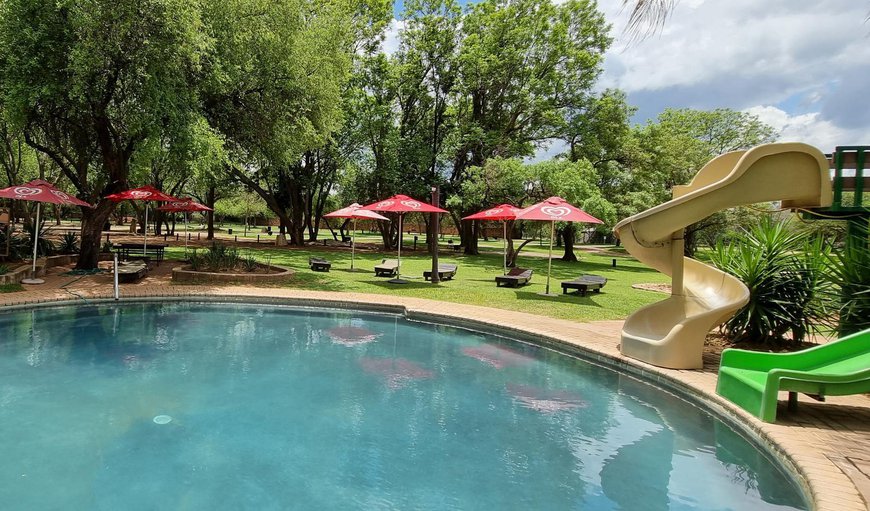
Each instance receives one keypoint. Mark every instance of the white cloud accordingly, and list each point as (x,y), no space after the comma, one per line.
(809,128)
(803,64)
(391,36)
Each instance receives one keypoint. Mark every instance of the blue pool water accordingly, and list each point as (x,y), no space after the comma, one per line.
(207,406)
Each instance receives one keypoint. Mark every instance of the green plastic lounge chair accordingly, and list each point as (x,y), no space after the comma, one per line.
(515,277)
(319,264)
(445,272)
(753,380)
(584,283)
(387,268)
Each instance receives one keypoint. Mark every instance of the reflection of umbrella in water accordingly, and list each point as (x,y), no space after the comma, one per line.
(503,212)
(351,335)
(555,209)
(497,356)
(396,372)
(402,204)
(545,400)
(354,211)
(39,191)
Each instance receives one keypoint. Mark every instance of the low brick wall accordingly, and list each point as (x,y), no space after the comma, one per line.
(184,275)
(16,275)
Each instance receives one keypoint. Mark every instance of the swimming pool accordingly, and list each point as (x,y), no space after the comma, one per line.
(227,406)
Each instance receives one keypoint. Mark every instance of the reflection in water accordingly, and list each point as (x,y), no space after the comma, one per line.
(497,356)
(396,372)
(351,335)
(544,400)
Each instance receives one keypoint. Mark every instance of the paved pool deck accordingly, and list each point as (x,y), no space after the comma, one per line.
(828,443)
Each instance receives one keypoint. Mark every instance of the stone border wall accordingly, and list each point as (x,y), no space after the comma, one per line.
(183,275)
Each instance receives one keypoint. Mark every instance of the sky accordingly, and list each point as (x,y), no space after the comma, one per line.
(801,66)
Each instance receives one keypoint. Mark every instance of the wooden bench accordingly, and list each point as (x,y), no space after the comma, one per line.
(131,272)
(584,283)
(319,264)
(445,272)
(387,268)
(515,278)
(127,251)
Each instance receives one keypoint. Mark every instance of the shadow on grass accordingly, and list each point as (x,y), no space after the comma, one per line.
(536,295)
(317,281)
(409,284)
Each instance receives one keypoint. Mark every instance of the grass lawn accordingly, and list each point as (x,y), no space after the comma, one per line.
(475,281)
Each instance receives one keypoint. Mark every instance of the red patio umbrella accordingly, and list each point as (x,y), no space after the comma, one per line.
(185,205)
(555,209)
(354,211)
(503,212)
(39,191)
(402,204)
(145,193)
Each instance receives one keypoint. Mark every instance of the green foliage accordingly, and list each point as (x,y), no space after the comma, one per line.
(69,244)
(18,247)
(249,263)
(4,269)
(849,272)
(221,258)
(784,271)
(44,246)
(106,247)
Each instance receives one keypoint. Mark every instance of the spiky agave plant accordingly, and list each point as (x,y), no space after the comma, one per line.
(784,271)
(849,272)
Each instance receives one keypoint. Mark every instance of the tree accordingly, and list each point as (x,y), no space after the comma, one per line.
(522,65)
(92,81)
(682,141)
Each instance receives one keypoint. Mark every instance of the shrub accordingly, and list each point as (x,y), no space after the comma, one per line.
(785,273)
(249,263)
(849,272)
(4,269)
(18,248)
(44,247)
(69,244)
(106,247)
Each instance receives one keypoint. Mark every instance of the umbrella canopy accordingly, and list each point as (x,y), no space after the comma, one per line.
(184,206)
(354,211)
(503,212)
(143,193)
(402,204)
(555,209)
(39,191)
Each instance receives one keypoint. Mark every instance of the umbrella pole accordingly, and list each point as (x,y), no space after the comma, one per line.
(352,243)
(33,279)
(145,230)
(504,246)
(186,235)
(550,257)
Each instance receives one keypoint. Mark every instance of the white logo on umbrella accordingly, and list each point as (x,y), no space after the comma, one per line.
(140,194)
(385,204)
(411,204)
(179,204)
(493,212)
(555,211)
(25,191)
(61,195)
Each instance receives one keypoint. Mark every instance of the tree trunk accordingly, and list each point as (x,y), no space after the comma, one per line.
(512,257)
(569,232)
(209,201)
(468,237)
(92,233)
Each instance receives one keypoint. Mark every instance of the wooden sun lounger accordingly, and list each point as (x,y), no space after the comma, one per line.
(584,283)
(319,264)
(387,268)
(516,277)
(131,272)
(445,272)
